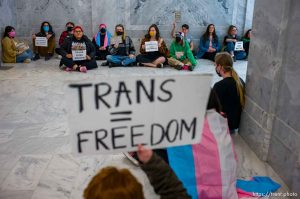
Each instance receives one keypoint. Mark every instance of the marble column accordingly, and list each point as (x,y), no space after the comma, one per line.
(271,122)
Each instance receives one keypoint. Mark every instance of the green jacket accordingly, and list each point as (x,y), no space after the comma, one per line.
(185,48)
(163,179)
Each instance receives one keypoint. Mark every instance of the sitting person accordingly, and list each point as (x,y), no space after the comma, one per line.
(65,34)
(209,44)
(101,42)
(229,43)
(47,51)
(230,90)
(12,50)
(78,42)
(246,40)
(111,182)
(153,58)
(121,49)
(185,29)
(181,56)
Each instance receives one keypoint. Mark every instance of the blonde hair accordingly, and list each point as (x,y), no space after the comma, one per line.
(111,183)
(124,33)
(225,60)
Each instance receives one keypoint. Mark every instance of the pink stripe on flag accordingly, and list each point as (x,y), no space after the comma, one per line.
(207,166)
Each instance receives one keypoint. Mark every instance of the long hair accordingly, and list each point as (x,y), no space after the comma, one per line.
(246,36)
(206,34)
(7,30)
(225,60)
(124,33)
(157,36)
(42,29)
(230,29)
(111,183)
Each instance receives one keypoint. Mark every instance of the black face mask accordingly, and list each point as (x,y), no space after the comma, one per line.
(218,73)
(102,30)
(119,33)
(178,39)
(69,29)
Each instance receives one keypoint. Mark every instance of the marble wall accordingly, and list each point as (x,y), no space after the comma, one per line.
(136,15)
(271,122)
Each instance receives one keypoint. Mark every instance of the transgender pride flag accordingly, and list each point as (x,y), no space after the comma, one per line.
(208,169)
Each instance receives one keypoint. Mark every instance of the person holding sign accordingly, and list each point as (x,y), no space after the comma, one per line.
(44,42)
(153,49)
(78,52)
(230,44)
(182,57)
(185,29)
(209,44)
(101,42)
(111,182)
(230,90)
(14,51)
(121,49)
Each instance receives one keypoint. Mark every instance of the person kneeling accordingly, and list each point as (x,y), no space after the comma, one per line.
(78,52)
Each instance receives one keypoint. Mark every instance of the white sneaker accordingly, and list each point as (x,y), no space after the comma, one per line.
(27,61)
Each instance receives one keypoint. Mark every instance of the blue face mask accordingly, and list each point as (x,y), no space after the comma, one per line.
(46,28)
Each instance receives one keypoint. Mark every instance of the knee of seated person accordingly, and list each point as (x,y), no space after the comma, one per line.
(108,57)
(111,182)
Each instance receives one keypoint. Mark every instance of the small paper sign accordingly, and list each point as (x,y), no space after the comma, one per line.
(41,41)
(239,46)
(151,46)
(179,54)
(116,40)
(79,55)
(177,16)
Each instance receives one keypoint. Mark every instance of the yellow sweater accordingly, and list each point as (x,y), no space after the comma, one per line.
(9,51)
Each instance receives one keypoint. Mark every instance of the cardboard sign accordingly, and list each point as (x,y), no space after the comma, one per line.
(151,46)
(177,16)
(179,54)
(239,46)
(115,114)
(41,41)
(116,40)
(79,55)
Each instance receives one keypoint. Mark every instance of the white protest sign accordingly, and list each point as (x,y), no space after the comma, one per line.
(151,46)
(238,46)
(41,41)
(79,55)
(115,114)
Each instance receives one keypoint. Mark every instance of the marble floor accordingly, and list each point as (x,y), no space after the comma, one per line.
(35,151)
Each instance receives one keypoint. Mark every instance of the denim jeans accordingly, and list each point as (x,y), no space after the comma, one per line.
(239,55)
(28,54)
(120,60)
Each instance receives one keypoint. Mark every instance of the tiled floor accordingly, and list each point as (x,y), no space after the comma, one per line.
(35,150)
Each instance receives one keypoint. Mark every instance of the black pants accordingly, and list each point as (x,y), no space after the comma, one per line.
(101,54)
(90,64)
(210,56)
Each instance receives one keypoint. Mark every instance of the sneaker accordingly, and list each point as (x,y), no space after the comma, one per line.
(82,69)
(36,57)
(27,61)
(185,67)
(104,64)
(132,158)
(68,69)
(178,67)
(160,65)
(111,65)
(48,57)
